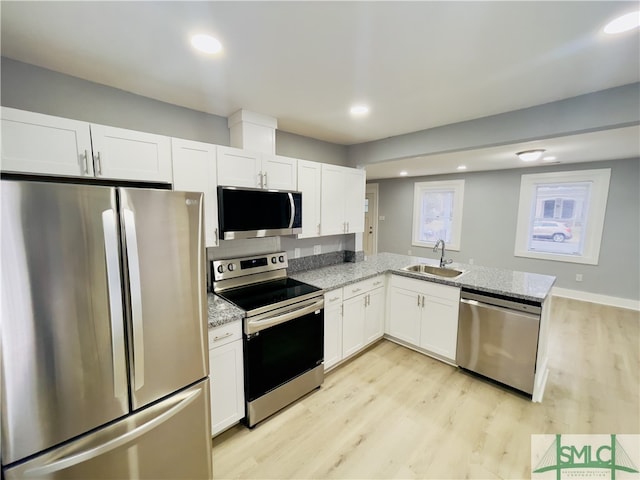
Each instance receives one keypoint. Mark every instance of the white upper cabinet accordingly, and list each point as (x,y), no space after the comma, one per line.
(194,169)
(48,145)
(36,143)
(241,168)
(342,209)
(130,155)
(309,183)
(279,173)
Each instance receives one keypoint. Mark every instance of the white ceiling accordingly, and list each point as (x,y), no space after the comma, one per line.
(418,64)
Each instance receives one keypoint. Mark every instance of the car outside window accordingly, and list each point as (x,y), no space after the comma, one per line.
(561,215)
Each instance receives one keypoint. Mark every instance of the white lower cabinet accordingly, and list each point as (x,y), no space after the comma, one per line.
(332,328)
(227,376)
(425,315)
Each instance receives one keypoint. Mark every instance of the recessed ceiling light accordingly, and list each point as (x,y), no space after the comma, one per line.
(462,167)
(403,173)
(531,155)
(548,158)
(623,24)
(359,110)
(206,43)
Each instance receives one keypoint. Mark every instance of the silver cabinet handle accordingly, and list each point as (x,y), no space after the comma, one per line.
(423,301)
(347,227)
(375,284)
(114,288)
(215,233)
(418,300)
(131,238)
(334,299)
(217,339)
(318,229)
(98,163)
(260,180)
(86,162)
(264,177)
(355,290)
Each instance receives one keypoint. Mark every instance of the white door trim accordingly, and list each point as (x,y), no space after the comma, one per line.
(373,188)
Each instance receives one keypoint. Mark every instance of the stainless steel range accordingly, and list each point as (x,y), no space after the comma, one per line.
(283,330)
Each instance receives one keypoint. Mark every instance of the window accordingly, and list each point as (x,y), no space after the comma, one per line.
(437,213)
(561,215)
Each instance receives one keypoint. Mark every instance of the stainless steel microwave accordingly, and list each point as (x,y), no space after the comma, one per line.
(251,212)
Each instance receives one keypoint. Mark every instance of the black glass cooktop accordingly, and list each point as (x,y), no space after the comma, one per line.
(267,293)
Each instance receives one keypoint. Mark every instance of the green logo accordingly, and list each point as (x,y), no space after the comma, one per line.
(587,455)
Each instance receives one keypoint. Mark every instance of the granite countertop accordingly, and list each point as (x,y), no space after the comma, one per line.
(518,285)
(221,312)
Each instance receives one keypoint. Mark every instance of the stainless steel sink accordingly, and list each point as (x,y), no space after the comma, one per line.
(432,270)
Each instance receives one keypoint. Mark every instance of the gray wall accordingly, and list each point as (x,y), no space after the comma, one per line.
(489,224)
(36,89)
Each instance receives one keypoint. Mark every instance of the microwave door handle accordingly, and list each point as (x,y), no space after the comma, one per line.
(293,209)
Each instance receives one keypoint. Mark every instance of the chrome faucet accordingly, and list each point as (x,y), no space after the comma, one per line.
(443,262)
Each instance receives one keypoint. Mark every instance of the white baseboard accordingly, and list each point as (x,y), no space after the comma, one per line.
(597,298)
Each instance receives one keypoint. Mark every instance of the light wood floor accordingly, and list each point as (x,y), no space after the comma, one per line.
(394,413)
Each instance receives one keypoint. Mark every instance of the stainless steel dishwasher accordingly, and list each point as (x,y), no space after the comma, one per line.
(498,338)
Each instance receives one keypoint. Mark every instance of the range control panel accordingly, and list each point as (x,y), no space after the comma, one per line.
(238,267)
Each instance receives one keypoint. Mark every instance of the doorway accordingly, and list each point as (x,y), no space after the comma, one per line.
(370,237)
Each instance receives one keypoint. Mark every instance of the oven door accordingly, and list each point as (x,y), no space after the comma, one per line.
(282,345)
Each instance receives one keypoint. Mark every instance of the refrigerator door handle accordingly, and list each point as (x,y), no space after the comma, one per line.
(136,297)
(114,288)
(90,451)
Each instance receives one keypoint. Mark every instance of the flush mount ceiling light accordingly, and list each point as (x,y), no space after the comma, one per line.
(623,24)
(530,155)
(206,43)
(359,110)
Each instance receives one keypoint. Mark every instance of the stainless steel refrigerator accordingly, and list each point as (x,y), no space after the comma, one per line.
(103,333)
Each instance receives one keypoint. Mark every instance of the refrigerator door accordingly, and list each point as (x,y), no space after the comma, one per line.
(168,440)
(165,258)
(63,349)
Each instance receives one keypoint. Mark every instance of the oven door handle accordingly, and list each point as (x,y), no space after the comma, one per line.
(310,306)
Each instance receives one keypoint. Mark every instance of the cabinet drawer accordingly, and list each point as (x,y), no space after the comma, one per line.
(224,334)
(333,297)
(363,286)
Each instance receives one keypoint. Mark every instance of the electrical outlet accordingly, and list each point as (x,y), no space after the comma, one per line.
(578,277)
(317,249)
(381,218)
(296,253)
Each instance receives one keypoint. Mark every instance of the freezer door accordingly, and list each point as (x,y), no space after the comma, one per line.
(165,258)
(168,440)
(63,348)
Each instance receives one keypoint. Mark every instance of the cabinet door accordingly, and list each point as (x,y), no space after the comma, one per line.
(194,170)
(333,197)
(439,331)
(42,144)
(374,318)
(354,199)
(129,155)
(332,329)
(353,325)
(403,315)
(227,384)
(239,168)
(309,183)
(279,173)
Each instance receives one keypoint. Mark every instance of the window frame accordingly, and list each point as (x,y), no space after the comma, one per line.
(599,194)
(457,187)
